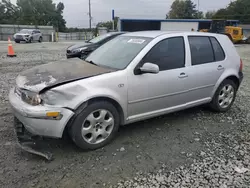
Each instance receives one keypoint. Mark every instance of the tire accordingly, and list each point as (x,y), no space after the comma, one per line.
(218,106)
(31,39)
(86,129)
(17,41)
(40,39)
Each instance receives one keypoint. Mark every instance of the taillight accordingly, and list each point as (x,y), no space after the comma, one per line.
(241,65)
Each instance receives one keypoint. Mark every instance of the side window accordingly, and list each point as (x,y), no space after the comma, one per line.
(167,54)
(201,50)
(235,32)
(218,51)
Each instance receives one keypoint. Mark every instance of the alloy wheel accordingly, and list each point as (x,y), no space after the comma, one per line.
(226,96)
(97,127)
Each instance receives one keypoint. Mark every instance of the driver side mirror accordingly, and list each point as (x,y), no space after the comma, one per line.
(149,68)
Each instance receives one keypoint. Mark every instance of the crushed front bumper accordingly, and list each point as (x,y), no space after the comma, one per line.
(29,142)
(31,124)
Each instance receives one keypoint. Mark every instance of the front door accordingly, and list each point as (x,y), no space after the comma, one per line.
(150,94)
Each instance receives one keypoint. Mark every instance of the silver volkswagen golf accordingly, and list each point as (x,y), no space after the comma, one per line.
(133,77)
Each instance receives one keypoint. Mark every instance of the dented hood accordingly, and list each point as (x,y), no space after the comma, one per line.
(56,73)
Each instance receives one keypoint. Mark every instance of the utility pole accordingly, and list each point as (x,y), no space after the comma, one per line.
(90,17)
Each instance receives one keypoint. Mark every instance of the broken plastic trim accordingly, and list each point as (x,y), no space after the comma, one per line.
(29,142)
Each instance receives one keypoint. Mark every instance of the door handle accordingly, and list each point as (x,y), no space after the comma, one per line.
(183,75)
(220,67)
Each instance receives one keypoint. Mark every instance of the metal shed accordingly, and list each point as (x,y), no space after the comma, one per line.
(130,25)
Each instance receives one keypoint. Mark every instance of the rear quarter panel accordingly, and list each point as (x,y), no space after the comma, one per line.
(232,61)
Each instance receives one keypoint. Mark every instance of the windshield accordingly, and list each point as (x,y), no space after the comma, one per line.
(119,52)
(25,31)
(99,38)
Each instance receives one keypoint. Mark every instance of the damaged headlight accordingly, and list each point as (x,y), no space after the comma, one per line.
(29,97)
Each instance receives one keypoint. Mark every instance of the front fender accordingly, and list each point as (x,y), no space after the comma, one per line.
(73,97)
(102,93)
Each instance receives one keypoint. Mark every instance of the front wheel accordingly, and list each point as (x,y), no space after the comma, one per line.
(40,39)
(95,126)
(224,97)
(30,40)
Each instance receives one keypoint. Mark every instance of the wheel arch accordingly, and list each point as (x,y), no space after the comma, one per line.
(232,77)
(89,101)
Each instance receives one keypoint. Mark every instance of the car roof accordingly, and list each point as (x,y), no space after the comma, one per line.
(155,34)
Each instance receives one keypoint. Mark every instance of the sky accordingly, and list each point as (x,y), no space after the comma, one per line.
(76,11)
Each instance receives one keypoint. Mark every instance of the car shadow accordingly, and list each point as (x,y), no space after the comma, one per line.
(128,135)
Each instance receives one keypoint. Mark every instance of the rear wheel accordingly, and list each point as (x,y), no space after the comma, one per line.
(224,97)
(95,126)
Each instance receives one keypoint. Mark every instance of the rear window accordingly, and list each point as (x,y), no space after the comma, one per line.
(201,50)
(218,51)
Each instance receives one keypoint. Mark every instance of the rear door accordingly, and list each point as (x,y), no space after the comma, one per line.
(207,65)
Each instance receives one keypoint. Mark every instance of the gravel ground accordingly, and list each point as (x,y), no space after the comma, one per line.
(192,148)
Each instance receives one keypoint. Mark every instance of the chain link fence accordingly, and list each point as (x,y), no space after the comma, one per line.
(75,36)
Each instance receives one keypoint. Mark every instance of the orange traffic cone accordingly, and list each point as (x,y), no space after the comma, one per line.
(11,52)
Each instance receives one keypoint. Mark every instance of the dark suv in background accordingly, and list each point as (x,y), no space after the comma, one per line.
(82,50)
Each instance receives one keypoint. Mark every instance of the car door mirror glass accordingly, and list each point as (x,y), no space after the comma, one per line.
(149,68)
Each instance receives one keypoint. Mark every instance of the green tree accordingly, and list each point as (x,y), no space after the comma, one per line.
(238,10)
(183,9)
(210,14)
(8,12)
(199,15)
(32,12)
(108,24)
(61,23)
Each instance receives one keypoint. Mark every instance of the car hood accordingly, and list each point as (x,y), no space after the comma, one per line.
(40,78)
(76,46)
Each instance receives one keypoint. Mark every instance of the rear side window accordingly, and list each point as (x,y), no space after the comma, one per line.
(167,54)
(219,54)
(201,50)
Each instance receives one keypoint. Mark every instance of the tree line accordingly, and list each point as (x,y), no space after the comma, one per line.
(186,9)
(45,12)
(33,12)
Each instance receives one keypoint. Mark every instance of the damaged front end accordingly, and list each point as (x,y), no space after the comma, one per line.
(29,142)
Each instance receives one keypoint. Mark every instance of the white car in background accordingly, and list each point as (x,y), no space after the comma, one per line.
(28,35)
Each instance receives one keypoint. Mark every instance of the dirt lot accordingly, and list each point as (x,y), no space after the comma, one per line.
(191,148)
